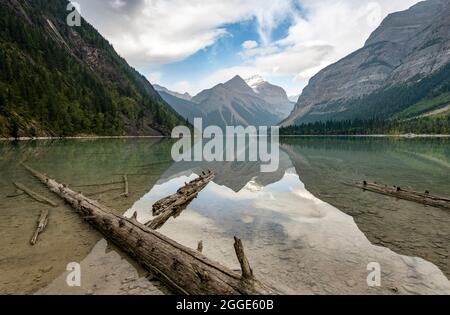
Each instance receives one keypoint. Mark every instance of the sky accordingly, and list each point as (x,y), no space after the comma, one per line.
(191,45)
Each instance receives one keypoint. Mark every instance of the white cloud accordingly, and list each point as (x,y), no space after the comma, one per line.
(164,31)
(181,86)
(226,74)
(249,44)
(154,32)
(327,31)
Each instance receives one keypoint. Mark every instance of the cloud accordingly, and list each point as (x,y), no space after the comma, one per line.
(164,31)
(323,32)
(181,86)
(319,32)
(226,74)
(118,4)
(249,44)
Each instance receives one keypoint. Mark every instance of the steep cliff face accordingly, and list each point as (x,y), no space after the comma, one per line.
(406,47)
(58,80)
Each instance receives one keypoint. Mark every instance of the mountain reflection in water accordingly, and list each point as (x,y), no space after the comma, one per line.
(293,232)
(295,241)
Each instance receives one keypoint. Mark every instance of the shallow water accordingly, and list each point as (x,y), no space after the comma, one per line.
(324,164)
(294,234)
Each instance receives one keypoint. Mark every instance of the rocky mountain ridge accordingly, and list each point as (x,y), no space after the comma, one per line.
(407,47)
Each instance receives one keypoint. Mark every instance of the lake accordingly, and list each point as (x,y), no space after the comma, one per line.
(304,230)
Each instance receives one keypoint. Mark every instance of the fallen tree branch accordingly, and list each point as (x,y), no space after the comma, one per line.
(99,184)
(35,195)
(41,225)
(247,272)
(102,192)
(163,162)
(189,190)
(183,269)
(398,192)
(172,206)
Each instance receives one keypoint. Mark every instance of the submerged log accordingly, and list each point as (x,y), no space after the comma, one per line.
(35,195)
(183,269)
(103,192)
(16,194)
(41,225)
(98,184)
(398,192)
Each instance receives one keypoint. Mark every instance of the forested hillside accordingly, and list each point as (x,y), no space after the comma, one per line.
(57,80)
(418,106)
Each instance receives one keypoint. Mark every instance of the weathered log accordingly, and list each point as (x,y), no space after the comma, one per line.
(35,195)
(183,195)
(247,272)
(172,206)
(173,211)
(41,225)
(98,184)
(183,269)
(398,192)
(103,192)
(200,247)
(163,162)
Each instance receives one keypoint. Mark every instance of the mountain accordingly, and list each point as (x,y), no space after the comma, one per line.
(273,95)
(294,98)
(186,96)
(185,108)
(57,80)
(401,72)
(235,103)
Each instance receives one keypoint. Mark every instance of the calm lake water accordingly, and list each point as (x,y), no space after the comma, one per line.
(303,229)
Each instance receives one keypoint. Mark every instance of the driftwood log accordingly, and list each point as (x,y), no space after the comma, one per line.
(200,247)
(173,205)
(398,192)
(183,269)
(184,194)
(35,195)
(41,225)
